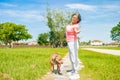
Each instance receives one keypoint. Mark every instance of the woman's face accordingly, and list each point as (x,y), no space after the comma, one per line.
(75,19)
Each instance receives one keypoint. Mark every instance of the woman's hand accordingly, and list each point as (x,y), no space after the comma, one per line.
(77,30)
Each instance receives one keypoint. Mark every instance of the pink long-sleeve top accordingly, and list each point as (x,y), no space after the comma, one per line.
(71,35)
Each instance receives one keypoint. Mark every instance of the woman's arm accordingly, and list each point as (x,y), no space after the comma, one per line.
(76,28)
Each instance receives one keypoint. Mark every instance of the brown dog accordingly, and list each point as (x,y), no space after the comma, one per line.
(55,59)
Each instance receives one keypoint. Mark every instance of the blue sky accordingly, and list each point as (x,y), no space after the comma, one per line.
(98,16)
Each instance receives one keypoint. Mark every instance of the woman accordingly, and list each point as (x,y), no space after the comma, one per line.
(71,36)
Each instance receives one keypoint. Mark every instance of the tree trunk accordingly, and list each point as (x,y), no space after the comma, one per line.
(11,45)
(61,44)
(118,43)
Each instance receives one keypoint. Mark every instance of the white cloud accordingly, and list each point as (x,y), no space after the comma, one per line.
(82,7)
(29,16)
(7,5)
(112,7)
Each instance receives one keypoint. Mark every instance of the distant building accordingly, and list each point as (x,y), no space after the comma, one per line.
(113,43)
(32,43)
(96,43)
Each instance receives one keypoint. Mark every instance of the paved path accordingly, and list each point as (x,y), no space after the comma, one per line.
(65,66)
(113,52)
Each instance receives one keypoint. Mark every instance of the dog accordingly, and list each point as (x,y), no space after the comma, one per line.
(55,60)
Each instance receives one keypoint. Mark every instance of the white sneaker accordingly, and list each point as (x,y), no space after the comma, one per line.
(78,68)
(69,73)
(74,76)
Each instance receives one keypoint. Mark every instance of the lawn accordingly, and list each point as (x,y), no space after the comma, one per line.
(33,63)
(26,63)
(112,48)
(104,47)
(99,66)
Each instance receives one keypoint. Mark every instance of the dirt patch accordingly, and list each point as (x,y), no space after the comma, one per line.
(5,76)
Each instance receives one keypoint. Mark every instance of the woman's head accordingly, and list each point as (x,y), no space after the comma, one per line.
(76,18)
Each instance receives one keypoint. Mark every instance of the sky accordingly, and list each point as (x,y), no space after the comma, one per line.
(98,16)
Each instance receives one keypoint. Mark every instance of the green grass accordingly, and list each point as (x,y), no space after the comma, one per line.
(112,48)
(104,47)
(99,66)
(33,63)
(26,63)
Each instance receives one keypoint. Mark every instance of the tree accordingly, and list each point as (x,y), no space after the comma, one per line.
(43,39)
(10,32)
(57,20)
(53,39)
(115,33)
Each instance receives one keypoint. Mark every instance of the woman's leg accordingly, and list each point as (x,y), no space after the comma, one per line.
(72,54)
(76,54)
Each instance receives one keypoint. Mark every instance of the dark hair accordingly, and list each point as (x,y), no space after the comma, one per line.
(79,16)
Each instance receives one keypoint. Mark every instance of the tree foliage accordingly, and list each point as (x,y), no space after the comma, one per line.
(115,33)
(43,39)
(13,32)
(57,20)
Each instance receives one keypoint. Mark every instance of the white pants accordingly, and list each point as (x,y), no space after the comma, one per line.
(73,54)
